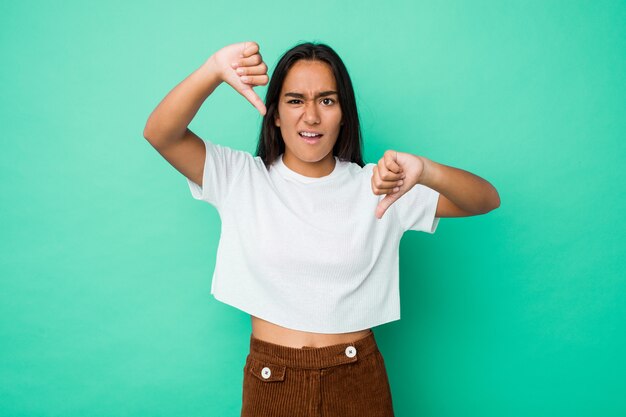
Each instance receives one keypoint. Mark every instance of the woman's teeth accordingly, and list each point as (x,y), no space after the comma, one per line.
(311,139)
(310,135)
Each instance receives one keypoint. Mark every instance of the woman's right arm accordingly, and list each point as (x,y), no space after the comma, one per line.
(166,129)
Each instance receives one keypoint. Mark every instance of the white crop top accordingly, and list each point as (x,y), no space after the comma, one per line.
(308,253)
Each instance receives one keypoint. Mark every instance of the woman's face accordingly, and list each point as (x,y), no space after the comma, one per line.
(309,104)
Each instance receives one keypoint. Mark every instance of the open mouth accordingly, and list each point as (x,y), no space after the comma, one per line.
(310,137)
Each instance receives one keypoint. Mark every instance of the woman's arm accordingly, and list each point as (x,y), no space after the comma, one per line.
(166,128)
(461,193)
(170,118)
(459,189)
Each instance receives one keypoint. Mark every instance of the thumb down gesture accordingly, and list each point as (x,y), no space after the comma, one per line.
(394,175)
(241,66)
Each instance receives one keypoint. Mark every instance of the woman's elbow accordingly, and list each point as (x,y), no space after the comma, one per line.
(494,201)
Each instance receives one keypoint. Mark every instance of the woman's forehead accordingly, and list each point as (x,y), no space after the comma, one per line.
(309,77)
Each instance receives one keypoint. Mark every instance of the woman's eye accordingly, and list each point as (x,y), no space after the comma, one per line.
(326,101)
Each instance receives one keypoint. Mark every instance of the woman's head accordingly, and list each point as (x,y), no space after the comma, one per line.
(310,90)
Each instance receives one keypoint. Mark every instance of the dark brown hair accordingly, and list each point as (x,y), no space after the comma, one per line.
(349,142)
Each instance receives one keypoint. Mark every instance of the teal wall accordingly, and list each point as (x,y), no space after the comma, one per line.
(106,260)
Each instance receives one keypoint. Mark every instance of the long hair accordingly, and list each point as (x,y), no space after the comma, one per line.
(349,142)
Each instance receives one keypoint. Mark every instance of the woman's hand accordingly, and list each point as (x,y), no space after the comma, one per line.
(241,66)
(394,175)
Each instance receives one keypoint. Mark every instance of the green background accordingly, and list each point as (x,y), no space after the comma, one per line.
(106,260)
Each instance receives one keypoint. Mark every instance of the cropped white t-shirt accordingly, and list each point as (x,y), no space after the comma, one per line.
(308,253)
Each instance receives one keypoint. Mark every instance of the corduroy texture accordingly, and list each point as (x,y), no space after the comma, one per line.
(344,380)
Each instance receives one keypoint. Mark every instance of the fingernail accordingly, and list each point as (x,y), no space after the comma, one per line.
(400,182)
(395,189)
(239,70)
(234,65)
(244,79)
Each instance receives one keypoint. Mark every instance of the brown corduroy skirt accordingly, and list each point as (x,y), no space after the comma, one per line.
(344,380)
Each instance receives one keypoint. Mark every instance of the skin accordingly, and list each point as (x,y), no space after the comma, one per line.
(302,108)
(462,193)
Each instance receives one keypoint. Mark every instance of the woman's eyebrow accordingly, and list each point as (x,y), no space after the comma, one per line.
(322,94)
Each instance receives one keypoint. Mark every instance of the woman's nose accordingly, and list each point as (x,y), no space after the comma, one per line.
(311,115)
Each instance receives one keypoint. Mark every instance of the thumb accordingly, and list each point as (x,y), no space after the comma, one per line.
(254,99)
(385,203)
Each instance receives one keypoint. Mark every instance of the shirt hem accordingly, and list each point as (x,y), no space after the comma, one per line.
(291,326)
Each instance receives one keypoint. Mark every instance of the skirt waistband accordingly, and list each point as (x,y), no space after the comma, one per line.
(313,357)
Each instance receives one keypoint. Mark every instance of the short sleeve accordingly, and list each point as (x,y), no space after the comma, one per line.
(416,209)
(222,167)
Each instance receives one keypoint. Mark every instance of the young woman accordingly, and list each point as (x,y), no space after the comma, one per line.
(310,233)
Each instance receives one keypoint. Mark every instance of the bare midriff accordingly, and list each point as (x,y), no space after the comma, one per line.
(273,333)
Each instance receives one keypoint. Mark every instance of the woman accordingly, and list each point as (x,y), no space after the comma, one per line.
(306,248)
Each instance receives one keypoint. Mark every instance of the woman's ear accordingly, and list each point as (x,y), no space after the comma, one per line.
(277,120)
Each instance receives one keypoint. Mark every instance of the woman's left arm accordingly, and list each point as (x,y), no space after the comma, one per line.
(461,192)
